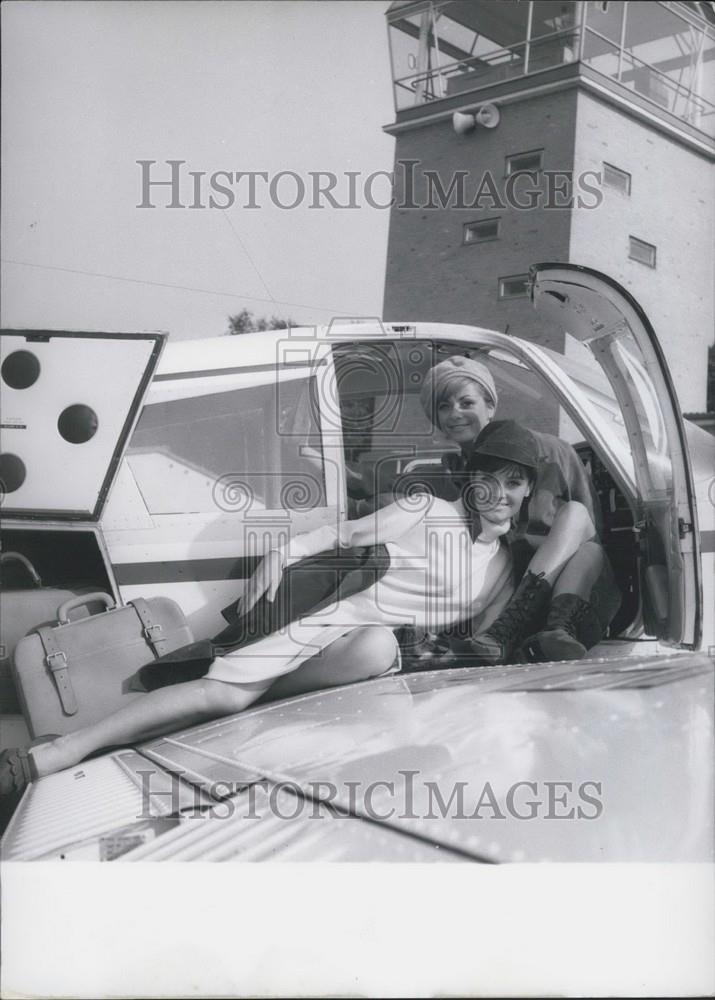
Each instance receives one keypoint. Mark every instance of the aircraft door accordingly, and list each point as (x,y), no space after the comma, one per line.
(596,313)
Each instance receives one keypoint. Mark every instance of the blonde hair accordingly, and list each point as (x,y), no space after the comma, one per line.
(443,375)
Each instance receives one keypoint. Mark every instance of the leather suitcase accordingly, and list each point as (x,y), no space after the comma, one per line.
(78,672)
(22,609)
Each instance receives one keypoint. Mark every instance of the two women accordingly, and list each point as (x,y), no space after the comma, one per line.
(566,595)
(447,564)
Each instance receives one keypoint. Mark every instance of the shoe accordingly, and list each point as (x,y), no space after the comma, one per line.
(572,628)
(17,770)
(521,614)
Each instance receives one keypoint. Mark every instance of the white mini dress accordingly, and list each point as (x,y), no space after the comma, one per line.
(437,576)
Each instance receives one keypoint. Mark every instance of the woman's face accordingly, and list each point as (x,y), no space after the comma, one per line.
(463,412)
(498,496)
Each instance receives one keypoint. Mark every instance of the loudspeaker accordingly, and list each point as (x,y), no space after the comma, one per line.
(488,116)
(462,123)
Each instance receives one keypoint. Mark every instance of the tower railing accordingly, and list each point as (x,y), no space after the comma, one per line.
(681,80)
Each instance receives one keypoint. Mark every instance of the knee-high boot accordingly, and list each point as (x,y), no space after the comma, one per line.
(522,614)
(573,626)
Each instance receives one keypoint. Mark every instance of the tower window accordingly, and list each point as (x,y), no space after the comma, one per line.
(641,251)
(513,287)
(532,161)
(616,178)
(480,232)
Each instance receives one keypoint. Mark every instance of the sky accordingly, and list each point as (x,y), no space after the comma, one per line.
(89,89)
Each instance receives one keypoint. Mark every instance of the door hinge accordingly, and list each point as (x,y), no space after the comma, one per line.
(684,527)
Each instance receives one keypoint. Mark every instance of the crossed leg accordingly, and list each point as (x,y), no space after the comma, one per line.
(571,529)
(363,653)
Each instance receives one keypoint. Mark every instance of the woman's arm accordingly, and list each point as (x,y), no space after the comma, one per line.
(385,525)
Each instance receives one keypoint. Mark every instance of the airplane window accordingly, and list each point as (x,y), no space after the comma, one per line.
(580,365)
(651,446)
(385,430)
(256,447)
(384,426)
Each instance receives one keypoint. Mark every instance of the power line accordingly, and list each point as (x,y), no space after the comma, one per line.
(186,288)
(245,250)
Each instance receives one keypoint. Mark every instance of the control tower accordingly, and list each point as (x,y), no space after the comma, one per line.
(580,132)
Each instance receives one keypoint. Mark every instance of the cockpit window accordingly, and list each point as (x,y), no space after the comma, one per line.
(579,364)
(253,447)
(386,432)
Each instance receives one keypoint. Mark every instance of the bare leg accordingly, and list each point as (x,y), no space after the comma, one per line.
(363,653)
(581,572)
(155,713)
(572,527)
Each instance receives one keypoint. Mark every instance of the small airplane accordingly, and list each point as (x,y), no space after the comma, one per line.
(143,469)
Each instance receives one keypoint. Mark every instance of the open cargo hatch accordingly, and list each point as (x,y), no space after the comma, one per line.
(69,404)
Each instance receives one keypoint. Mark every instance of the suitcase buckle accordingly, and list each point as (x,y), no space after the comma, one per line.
(59,655)
(149,632)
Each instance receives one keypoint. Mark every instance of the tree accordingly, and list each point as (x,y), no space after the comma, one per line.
(246,322)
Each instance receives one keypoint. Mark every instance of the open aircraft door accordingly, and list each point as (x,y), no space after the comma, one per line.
(599,316)
(69,403)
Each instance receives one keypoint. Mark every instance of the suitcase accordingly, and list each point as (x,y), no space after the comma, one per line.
(78,672)
(23,609)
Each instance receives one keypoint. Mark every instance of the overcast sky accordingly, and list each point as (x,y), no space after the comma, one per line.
(90,88)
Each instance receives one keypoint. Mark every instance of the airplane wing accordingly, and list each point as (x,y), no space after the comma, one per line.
(604,760)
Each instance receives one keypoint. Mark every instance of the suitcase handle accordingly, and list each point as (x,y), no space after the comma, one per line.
(77,602)
(7,556)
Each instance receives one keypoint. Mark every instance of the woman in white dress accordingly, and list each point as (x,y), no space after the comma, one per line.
(447,564)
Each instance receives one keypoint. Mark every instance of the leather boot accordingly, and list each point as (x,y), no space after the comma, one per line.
(518,618)
(572,628)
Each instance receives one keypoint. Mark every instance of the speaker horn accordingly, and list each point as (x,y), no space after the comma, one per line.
(462,123)
(488,116)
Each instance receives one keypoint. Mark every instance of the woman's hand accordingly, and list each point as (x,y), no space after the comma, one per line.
(265,580)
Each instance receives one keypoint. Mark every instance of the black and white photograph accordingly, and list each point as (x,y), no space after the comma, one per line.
(357,498)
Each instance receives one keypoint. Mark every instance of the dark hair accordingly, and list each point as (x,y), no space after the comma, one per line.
(478,496)
(493,464)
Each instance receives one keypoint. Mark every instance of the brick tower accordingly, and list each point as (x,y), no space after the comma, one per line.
(585,133)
